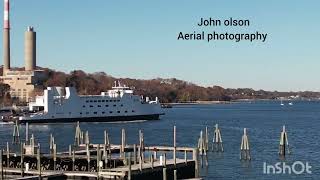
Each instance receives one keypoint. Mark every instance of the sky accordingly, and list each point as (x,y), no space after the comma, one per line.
(138,39)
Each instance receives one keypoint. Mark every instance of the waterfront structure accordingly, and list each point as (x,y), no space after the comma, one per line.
(244,147)
(65,105)
(22,82)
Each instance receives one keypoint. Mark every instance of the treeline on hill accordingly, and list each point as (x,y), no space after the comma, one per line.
(167,90)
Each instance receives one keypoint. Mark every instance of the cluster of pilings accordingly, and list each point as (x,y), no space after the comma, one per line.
(245,155)
(105,161)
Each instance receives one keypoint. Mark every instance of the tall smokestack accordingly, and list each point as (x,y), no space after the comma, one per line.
(30,49)
(6,36)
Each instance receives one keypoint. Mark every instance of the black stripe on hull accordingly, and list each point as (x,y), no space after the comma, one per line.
(94,119)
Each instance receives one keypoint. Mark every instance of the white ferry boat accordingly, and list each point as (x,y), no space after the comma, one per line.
(60,105)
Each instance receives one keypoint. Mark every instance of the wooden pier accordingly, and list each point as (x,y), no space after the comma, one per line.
(100,161)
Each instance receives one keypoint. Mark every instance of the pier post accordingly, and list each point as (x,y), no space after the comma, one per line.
(81,137)
(152,162)
(174,146)
(51,143)
(32,142)
(155,154)
(73,158)
(134,154)
(164,159)
(217,140)
(185,156)
(8,155)
(206,139)
(129,171)
(123,142)
(164,173)
(88,156)
(87,140)
(77,136)
(70,150)
(16,133)
(175,174)
(27,133)
(141,142)
(54,153)
(140,163)
(21,159)
(195,158)
(98,159)
(1,164)
(39,161)
(284,144)
(244,148)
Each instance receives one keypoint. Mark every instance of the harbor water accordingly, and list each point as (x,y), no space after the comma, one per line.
(263,120)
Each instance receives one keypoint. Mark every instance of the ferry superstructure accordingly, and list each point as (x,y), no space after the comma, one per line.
(60,105)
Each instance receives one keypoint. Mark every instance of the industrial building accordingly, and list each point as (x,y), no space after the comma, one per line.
(22,82)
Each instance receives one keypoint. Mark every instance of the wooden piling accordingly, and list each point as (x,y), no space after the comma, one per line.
(98,160)
(1,163)
(164,173)
(217,140)
(73,158)
(88,156)
(123,142)
(185,156)
(27,133)
(39,161)
(140,163)
(129,171)
(206,139)
(284,144)
(134,154)
(8,155)
(21,159)
(16,133)
(175,174)
(54,153)
(164,160)
(87,140)
(174,146)
(244,148)
(70,150)
(152,162)
(195,158)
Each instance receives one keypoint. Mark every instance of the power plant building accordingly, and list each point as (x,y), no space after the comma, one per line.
(22,82)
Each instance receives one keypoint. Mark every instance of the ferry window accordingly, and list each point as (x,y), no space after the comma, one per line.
(103,101)
(87,101)
(118,111)
(121,105)
(91,106)
(94,112)
(95,101)
(90,100)
(114,105)
(99,106)
(99,100)
(118,100)
(107,105)
(110,112)
(84,106)
(81,113)
(126,111)
(107,100)
(103,112)
(133,111)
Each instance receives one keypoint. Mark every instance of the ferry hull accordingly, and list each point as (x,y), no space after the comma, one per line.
(92,119)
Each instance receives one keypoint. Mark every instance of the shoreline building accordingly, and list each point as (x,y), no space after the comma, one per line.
(22,82)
